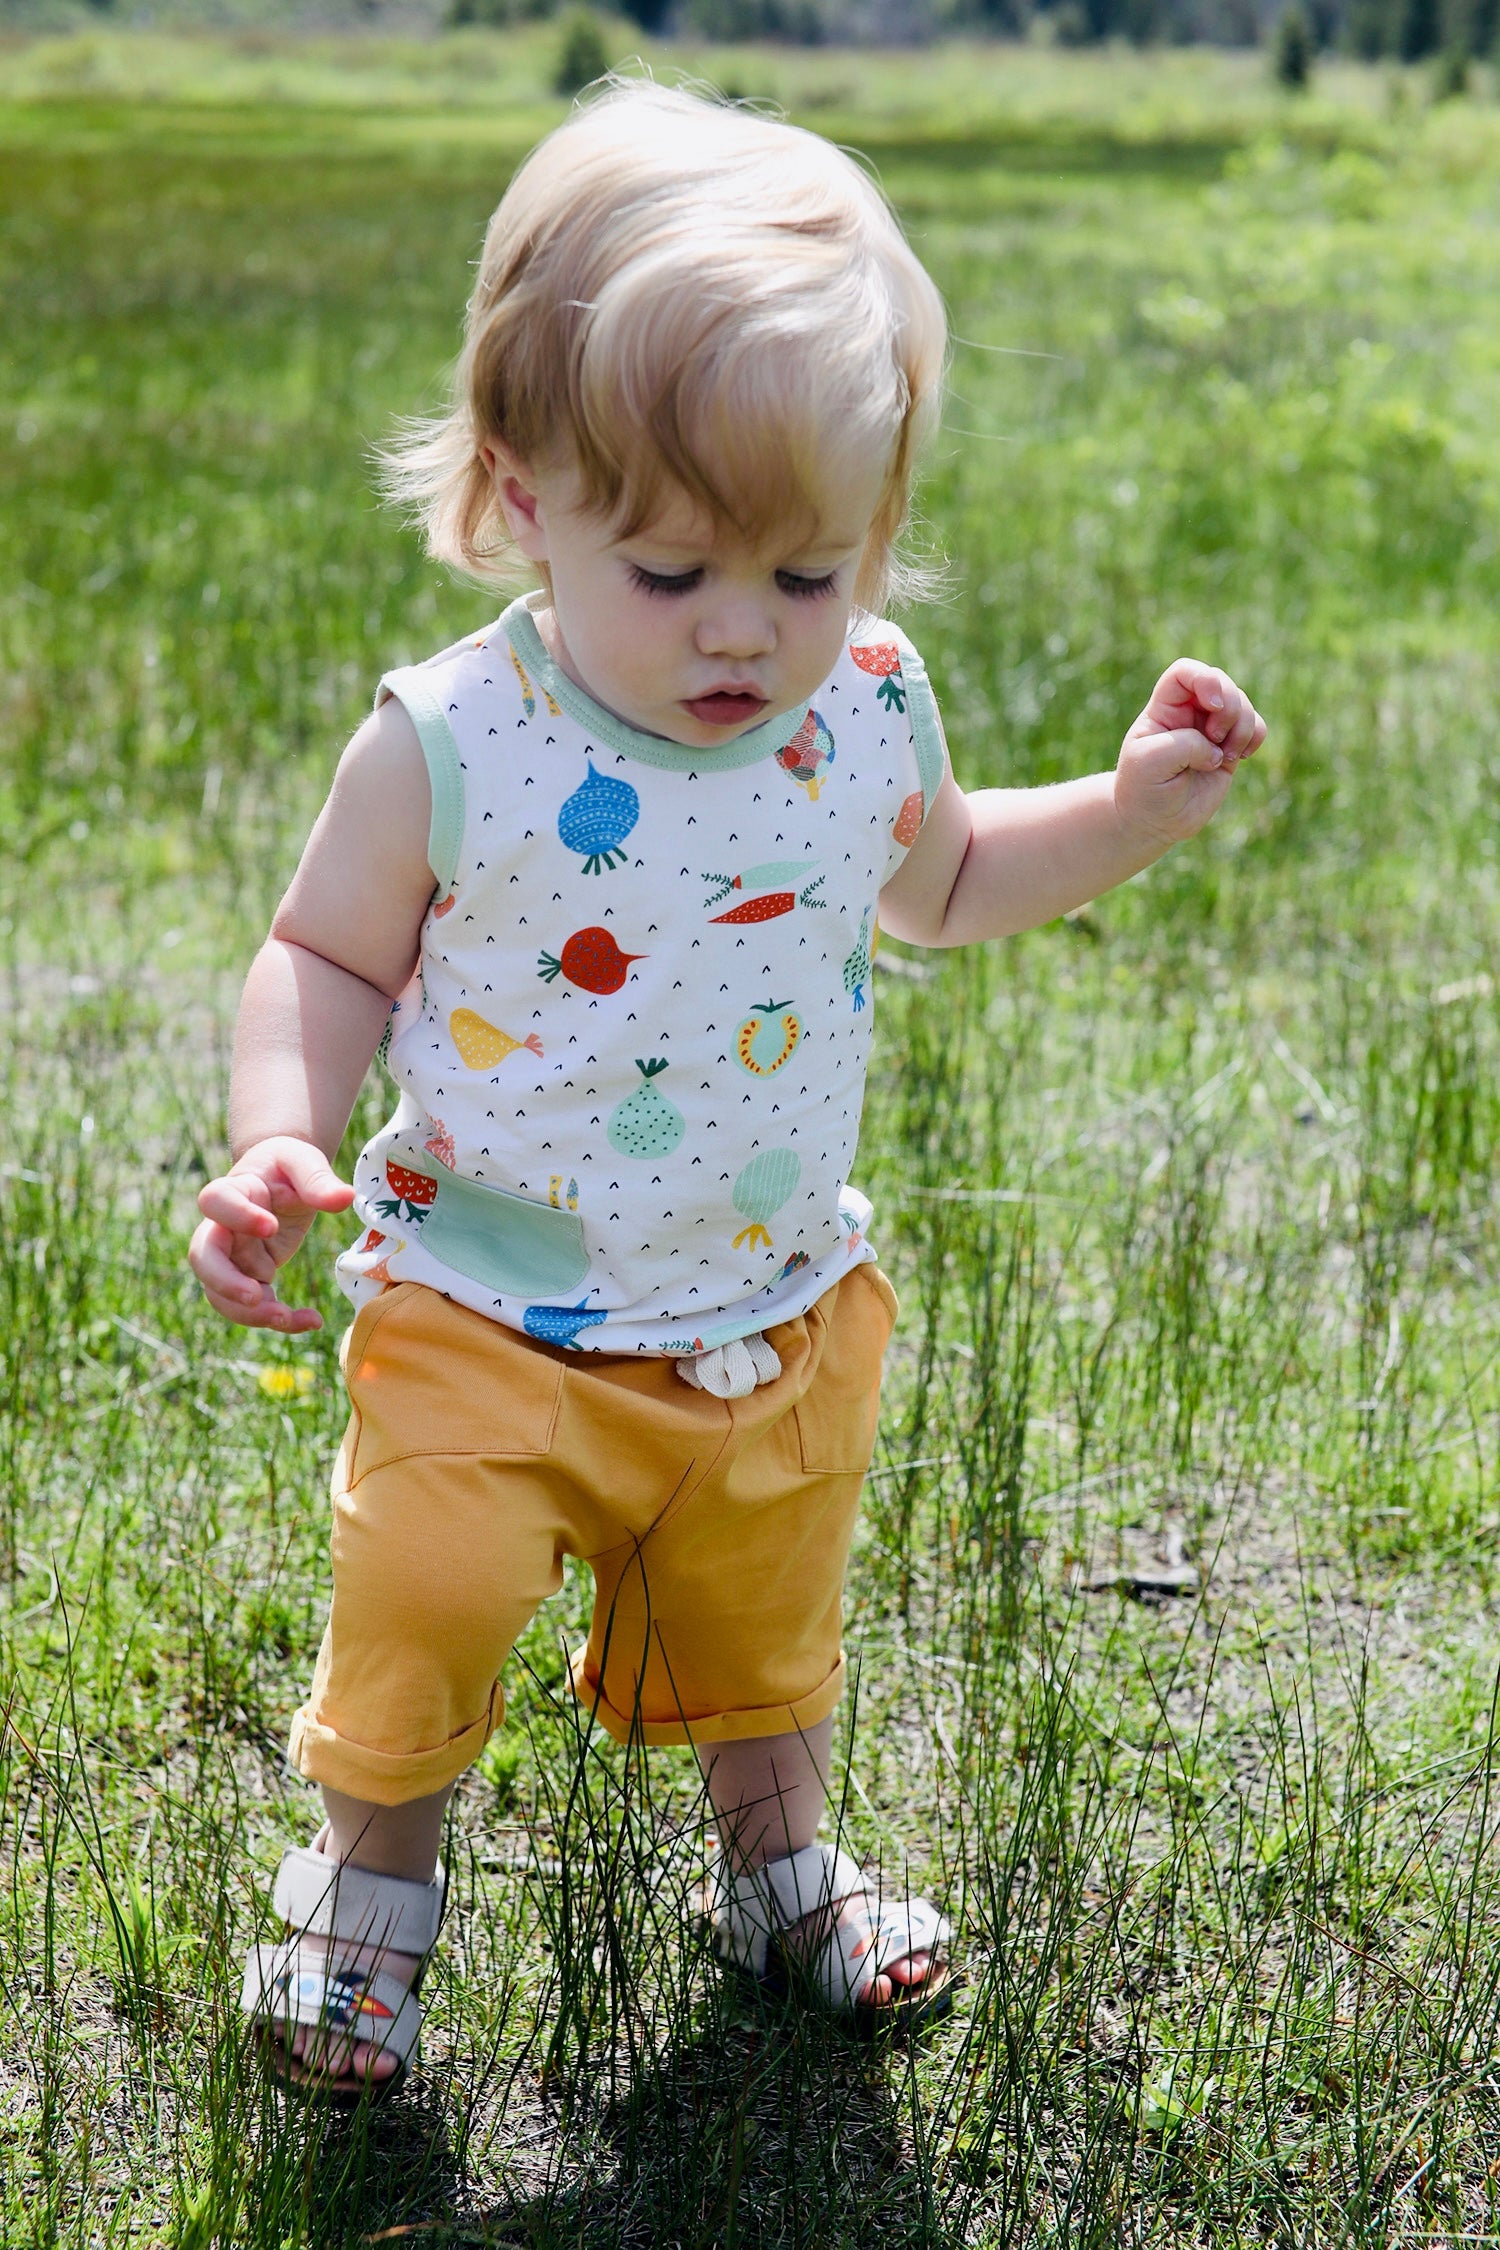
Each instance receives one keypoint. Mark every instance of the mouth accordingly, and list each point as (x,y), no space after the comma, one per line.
(726,707)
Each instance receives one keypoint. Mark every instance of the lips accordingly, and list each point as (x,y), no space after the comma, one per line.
(726,707)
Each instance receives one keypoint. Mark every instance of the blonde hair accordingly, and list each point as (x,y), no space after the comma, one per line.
(676,291)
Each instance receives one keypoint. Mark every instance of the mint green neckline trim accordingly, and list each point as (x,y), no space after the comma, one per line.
(519,628)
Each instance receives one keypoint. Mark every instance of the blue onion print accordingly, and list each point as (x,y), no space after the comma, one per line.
(596,820)
(559,1324)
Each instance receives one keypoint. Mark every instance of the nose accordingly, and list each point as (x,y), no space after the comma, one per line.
(736,625)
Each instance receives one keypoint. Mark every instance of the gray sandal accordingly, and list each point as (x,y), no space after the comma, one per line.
(287,1988)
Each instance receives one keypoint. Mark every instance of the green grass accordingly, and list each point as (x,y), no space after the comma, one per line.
(1188,1199)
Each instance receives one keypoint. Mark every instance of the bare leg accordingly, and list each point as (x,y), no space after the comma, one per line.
(389,1840)
(768,1796)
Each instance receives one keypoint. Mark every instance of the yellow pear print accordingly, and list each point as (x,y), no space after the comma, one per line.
(481,1045)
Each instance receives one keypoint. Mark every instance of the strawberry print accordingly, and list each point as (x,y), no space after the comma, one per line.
(882,660)
(444,906)
(441,1144)
(412,1193)
(591,959)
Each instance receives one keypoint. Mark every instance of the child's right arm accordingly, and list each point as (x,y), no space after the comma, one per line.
(342,947)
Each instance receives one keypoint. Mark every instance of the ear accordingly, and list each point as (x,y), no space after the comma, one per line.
(520,500)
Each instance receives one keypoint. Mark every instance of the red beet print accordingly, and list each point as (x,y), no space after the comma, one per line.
(591,960)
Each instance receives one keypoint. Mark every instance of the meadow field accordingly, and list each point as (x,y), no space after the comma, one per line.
(1175,1604)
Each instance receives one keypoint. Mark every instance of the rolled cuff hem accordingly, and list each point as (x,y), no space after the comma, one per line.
(723,1726)
(384,1777)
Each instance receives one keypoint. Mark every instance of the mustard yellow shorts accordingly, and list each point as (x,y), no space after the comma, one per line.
(477,1458)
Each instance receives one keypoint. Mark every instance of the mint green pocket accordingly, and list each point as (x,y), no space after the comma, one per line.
(514,1246)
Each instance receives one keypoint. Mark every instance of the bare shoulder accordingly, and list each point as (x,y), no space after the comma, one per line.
(384,760)
(364,884)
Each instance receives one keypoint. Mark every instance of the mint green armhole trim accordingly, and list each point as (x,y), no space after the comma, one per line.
(414,691)
(926,727)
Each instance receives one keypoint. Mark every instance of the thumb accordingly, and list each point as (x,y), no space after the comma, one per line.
(313,1180)
(1180,749)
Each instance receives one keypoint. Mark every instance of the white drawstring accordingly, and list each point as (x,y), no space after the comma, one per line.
(732,1370)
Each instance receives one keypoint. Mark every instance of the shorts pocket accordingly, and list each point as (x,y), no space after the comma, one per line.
(427,1376)
(837,1414)
(506,1242)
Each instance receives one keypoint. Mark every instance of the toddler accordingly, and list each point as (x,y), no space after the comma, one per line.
(603,884)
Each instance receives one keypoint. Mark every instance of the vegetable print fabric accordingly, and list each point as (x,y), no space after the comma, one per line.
(632,1062)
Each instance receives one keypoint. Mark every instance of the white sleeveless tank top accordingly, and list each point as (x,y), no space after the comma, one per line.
(632,1060)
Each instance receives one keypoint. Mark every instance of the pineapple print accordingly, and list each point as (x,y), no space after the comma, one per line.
(646,1123)
(857,967)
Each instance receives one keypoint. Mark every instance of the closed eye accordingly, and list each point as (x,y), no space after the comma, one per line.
(791,583)
(663,582)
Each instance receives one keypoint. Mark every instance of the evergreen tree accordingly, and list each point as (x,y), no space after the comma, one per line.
(1419,29)
(1292,50)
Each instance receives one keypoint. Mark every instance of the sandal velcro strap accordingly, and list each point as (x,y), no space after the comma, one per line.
(868,1937)
(284,1988)
(329,1898)
(863,1933)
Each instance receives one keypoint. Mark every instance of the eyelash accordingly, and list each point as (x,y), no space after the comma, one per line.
(800,589)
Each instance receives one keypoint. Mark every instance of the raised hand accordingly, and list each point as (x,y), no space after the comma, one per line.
(254,1218)
(1179,758)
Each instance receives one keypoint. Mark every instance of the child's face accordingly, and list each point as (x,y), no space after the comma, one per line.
(684,630)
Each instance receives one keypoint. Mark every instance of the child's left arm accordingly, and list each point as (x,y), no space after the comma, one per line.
(1001,860)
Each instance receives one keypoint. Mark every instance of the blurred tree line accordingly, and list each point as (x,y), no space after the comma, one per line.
(1404,30)
(1296,31)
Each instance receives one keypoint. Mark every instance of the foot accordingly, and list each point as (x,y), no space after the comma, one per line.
(336,1997)
(865,1953)
(330,2056)
(900,1980)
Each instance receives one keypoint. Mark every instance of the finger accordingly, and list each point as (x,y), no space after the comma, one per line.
(312,1178)
(240,1201)
(211,1255)
(230,1259)
(1187,683)
(266,1312)
(238,1296)
(1242,738)
(1175,750)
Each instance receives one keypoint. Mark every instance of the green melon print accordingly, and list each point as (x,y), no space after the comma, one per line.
(767,1182)
(646,1123)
